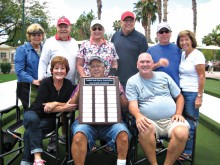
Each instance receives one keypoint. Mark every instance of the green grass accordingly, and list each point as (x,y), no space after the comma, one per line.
(212,87)
(7,77)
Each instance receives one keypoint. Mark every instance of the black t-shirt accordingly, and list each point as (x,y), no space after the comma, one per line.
(48,93)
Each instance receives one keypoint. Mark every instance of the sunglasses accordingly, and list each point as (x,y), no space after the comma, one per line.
(36,34)
(163,31)
(95,28)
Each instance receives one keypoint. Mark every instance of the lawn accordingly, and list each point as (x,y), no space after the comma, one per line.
(212,87)
(7,77)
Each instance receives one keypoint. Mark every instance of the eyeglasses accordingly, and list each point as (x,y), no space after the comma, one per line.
(128,20)
(95,28)
(163,31)
(36,34)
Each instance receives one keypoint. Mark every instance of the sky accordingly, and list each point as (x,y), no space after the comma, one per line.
(180,15)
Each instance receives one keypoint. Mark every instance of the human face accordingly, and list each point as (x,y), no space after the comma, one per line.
(96,69)
(97,32)
(164,36)
(185,43)
(63,31)
(145,65)
(59,71)
(127,25)
(36,38)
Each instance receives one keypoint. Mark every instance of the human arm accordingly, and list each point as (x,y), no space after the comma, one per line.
(179,108)
(114,64)
(142,122)
(163,62)
(52,107)
(200,69)
(79,66)
(44,61)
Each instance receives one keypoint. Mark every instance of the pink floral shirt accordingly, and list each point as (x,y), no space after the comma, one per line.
(106,51)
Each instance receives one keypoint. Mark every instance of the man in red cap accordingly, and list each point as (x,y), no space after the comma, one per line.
(129,43)
(59,45)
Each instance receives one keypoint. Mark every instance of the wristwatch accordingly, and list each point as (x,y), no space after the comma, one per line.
(199,95)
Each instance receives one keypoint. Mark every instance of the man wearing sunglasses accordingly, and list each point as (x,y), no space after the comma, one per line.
(129,43)
(166,55)
(96,46)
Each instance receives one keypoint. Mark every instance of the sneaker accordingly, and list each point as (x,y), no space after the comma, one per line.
(51,147)
(62,139)
(159,145)
(39,162)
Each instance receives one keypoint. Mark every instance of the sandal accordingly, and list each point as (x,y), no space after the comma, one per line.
(185,156)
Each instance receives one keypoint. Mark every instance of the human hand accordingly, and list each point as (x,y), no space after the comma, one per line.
(163,62)
(48,107)
(198,102)
(142,123)
(177,117)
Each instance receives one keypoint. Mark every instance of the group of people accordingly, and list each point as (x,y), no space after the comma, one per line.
(157,85)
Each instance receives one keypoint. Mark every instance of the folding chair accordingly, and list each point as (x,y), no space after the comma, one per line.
(134,143)
(98,147)
(11,132)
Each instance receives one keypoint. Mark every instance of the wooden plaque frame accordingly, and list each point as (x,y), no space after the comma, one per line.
(99,101)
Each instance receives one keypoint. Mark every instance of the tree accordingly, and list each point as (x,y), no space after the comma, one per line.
(11,19)
(194,8)
(99,7)
(116,25)
(81,29)
(165,4)
(146,14)
(212,38)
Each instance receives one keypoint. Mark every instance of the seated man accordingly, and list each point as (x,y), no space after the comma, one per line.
(151,101)
(84,133)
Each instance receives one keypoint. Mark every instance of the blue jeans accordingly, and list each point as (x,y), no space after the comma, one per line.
(190,109)
(107,133)
(35,129)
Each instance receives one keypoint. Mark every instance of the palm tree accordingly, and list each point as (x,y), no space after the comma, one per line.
(194,8)
(99,7)
(159,10)
(116,25)
(165,4)
(146,14)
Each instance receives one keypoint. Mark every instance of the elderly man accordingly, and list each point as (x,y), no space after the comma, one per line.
(85,135)
(151,101)
(60,44)
(129,43)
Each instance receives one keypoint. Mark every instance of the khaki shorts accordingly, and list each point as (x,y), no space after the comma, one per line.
(164,127)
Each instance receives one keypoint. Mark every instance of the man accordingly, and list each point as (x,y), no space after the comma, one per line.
(151,101)
(60,44)
(166,55)
(129,43)
(85,135)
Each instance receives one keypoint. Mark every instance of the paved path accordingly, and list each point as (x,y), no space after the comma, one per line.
(210,106)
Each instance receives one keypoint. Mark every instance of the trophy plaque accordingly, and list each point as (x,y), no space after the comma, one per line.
(99,101)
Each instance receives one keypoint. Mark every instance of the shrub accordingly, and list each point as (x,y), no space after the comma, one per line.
(5,67)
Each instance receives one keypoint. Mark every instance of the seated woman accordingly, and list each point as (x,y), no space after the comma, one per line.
(53,95)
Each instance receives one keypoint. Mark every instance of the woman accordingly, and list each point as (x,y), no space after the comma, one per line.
(192,79)
(96,46)
(26,63)
(53,95)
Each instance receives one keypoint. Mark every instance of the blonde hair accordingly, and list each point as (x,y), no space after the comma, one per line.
(34,28)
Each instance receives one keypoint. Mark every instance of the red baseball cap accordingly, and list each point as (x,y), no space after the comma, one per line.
(63,20)
(127,14)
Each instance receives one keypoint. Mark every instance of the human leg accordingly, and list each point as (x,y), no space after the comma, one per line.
(148,144)
(178,138)
(82,133)
(190,109)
